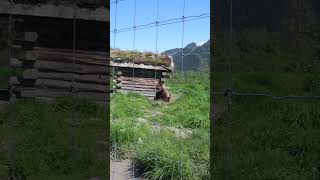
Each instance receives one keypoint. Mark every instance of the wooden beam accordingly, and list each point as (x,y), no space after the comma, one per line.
(136,66)
(152,87)
(138,79)
(65,57)
(35,74)
(138,89)
(99,53)
(56,11)
(68,67)
(138,83)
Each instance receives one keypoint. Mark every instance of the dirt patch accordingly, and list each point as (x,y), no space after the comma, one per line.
(123,170)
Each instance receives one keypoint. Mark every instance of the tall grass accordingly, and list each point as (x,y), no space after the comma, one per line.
(162,155)
(44,140)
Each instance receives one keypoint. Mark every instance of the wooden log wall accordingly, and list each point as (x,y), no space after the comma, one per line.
(143,82)
(47,67)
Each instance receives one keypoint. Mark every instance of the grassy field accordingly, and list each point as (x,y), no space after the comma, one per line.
(44,140)
(166,140)
(263,138)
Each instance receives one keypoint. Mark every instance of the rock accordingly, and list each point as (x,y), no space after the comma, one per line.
(183,133)
(141,120)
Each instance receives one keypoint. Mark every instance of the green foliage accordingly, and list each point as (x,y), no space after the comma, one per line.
(264,138)
(44,136)
(157,151)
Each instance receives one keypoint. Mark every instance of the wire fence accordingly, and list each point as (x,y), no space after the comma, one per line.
(117,31)
(78,152)
(229,94)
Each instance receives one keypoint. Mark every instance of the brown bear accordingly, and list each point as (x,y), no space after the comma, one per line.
(162,92)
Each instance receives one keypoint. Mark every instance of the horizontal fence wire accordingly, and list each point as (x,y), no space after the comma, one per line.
(162,23)
(268,95)
(155,24)
(116,1)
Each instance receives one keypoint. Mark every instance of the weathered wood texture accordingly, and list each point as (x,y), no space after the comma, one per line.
(57,11)
(144,86)
(52,73)
(59,33)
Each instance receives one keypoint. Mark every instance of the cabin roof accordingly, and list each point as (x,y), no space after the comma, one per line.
(62,10)
(144,60)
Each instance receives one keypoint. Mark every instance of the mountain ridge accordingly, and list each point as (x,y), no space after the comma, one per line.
(196,56)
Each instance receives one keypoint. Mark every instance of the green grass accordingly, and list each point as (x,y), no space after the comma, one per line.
(44,137)
(268,139)
(162,155)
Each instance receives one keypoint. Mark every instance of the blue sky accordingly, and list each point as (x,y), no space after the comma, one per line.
(169,36)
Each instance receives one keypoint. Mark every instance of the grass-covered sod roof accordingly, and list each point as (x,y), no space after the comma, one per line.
(147,58)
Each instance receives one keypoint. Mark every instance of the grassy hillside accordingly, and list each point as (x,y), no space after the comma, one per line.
(161,137)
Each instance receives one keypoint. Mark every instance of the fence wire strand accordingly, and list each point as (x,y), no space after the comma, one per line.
(12,119)
(156,24)
(73,134)
(229,94)
(162,23)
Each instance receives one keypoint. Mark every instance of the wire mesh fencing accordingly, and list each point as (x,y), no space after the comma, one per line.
(264,98)
(55,127)
(184,61)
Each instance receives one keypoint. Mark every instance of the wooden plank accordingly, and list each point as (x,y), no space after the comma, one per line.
(68,67)
(100,53)
(137,89)
(56,11)
(138,83)
(137,79)
(140,92)
(64,57)
(137,66)
(153,87)
(35,74)
(49,83)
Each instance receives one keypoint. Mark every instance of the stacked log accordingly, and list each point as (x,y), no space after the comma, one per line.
(51,73)
(139,78)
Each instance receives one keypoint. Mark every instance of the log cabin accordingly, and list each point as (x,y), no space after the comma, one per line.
(60,49)
(140,72)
